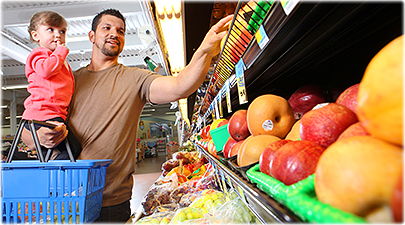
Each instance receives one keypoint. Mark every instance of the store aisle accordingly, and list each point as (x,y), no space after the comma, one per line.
(147,172)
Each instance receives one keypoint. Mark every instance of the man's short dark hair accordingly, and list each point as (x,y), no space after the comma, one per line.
(112,12)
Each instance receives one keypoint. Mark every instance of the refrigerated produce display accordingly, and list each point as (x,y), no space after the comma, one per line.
(279,61)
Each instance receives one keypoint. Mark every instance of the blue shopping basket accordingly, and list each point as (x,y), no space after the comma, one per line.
(57,191)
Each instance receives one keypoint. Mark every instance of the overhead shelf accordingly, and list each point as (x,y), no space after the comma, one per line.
(324,43)
(329,44)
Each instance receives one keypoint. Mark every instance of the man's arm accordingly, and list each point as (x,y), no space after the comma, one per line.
(168,88)
(48,138)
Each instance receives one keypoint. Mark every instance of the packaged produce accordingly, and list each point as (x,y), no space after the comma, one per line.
(157,218)
(187,214)
(157,195)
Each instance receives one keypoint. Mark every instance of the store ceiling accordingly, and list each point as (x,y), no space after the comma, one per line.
(16,44)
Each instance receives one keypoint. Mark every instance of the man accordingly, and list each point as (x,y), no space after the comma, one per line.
(109,98)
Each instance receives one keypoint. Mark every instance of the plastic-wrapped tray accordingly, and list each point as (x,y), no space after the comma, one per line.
(301,199)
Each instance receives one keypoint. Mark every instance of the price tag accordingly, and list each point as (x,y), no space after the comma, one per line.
(215,104)
(212,110)
(240,82)
(288,5)
(220,103)
(261,37)
(228,95)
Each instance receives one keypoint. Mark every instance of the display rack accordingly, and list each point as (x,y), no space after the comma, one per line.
(329,44)
(265,208)
(325,43)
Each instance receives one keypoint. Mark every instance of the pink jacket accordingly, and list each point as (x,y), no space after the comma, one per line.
(51,84)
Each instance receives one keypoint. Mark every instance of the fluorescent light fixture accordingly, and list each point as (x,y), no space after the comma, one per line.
(148,110)
(171,23)
(7,117)
(142,115)
(4,106)
(10,87)
(170,113)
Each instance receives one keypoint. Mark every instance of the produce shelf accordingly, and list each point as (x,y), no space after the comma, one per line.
(329,44)
(263,206)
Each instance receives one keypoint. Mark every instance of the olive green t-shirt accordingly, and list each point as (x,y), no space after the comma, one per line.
(104,115)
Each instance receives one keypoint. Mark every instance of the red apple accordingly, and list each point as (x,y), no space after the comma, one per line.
(228,145)
(397,201)
(237,126)
(348,97)
(223,122)
(267,155)
(356,129)
(235,149)
(305,98)
(324,125)
(295,161)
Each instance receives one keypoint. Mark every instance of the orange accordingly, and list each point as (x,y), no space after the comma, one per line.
(380,96)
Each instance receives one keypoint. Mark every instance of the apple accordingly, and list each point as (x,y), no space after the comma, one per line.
(235,149)
(295,161)
(356,129)
(333,93)
(358,174)
(223,122)
(228,145)
(305,98)
(237,125)
(267,155)
(348,97)
(324,125)
(397,201)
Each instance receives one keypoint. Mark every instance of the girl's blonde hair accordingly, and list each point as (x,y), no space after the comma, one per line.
(45,18)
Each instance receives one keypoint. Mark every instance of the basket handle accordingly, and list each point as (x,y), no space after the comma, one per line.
(36,141)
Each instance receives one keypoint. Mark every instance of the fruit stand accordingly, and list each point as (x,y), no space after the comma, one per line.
(312,45)
(290,49)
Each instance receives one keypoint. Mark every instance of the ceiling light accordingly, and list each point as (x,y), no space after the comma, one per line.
(142,115)
(170,113)
(7,117)
(10,87)
(169,15)
(148,110)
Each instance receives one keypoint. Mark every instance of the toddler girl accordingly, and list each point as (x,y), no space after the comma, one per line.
(51,81)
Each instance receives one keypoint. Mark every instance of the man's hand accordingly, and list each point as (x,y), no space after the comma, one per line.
(48,138)
(212,40)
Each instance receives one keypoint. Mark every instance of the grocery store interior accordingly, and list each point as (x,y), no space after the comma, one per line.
(295,53)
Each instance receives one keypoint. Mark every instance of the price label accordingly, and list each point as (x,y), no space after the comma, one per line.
(240,82)
(261,37)
(228,95)
(215,103)
(220,103)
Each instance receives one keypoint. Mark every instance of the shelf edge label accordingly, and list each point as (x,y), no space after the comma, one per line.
(240,81)
(261,37)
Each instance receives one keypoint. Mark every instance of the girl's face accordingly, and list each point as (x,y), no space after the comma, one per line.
(49,36)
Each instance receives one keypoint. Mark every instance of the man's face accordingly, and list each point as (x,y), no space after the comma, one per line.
(109,37)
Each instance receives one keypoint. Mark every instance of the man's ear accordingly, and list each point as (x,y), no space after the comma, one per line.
(91,36)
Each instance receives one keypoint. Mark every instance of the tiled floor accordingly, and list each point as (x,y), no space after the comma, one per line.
(147,172)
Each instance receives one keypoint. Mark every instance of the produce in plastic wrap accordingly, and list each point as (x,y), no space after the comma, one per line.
(157,218)
(209,201)
(233,212)
(207,183)
(180,191)
(156,196)
(171,207)
(188,198)
(187,214)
